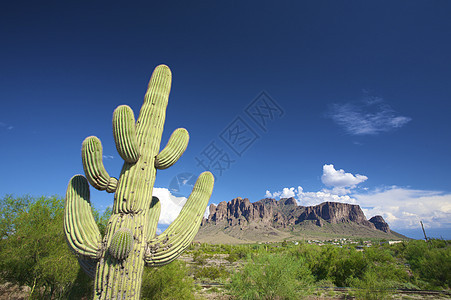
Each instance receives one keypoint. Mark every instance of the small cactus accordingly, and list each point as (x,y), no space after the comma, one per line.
(116,260)
(121,244)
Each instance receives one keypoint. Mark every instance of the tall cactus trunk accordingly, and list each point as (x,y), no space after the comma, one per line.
(122,279)
(117,260)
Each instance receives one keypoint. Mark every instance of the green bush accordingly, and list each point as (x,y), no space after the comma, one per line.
(376,283)
(168,282)
(435,267)
(199,257)
(211,272)
(232,257)
(348,264)
(430,262)
(102,221)
(324,261)
(272,276)
(237,253)
(33,249)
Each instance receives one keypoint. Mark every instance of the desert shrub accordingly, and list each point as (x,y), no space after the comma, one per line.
(10,209)
(200,257)
(210,248)
(272,276)
(414,252)
(168,282)
(323,261)
(435,268)
(211,272)
(430,262)
(349,264)
(232,257)
(33,250)
(376,283)
(238,253)
(225,248)
(102,220)
(310,253)
(380,254)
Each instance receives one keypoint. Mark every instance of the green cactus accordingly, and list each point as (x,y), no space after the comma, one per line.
(121,244)
(116,261)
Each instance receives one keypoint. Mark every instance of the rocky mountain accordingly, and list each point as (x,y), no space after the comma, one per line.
(380,223)
(242,220)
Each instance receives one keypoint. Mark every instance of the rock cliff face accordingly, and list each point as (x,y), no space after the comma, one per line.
(380,224)
(286,213)
(334,213)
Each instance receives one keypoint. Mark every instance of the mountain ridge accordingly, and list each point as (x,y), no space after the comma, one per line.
(270,219)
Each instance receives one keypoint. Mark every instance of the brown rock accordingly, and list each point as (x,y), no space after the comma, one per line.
(285,212)
(380,223)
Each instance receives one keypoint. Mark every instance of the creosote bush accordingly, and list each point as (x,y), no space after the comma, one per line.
(168,282)
(272,276)
(33,250)
(211,272)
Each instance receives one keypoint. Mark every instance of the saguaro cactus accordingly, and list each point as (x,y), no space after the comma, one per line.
(116,261)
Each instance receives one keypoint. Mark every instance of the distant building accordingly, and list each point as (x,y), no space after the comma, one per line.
(394,242)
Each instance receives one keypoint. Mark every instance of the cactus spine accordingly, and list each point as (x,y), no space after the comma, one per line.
(116,261)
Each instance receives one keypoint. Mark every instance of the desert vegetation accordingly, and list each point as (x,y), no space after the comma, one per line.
(34,253)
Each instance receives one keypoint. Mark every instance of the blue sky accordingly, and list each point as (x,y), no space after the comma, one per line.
(321,100)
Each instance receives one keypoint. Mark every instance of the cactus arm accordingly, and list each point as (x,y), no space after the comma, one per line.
(154,216)
(174,149)
(179,235)
(82,233)
(91,153)
(124,134)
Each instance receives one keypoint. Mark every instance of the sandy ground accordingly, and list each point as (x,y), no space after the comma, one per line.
(9,291)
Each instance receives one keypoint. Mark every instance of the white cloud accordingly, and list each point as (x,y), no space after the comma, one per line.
(309,198)
(371,116)
(315,198)
(405,208)
(402,208)
(108,157)
(207,211)
(170,205)
(287,193)
(341,181)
